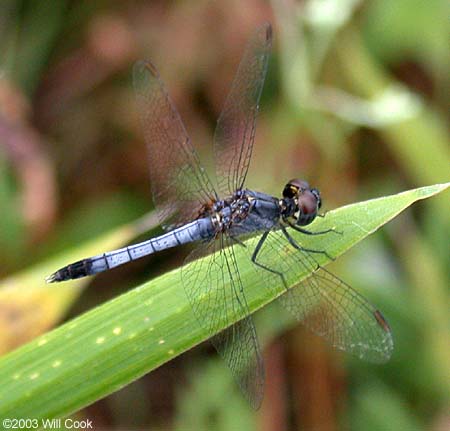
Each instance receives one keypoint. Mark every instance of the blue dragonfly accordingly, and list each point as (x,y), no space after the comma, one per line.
(218,219)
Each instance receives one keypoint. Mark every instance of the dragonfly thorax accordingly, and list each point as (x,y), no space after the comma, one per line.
(300,202)
(230,211)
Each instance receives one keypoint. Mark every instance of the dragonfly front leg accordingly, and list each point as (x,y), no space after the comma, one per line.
(299,247)
(307,232)
(255,254)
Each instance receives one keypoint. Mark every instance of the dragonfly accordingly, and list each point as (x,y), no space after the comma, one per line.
(218,219)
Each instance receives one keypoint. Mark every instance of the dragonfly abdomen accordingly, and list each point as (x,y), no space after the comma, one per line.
(197,230)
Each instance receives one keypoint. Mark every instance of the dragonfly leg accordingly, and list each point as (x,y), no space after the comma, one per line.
(237,241)
(307,232)
(298,247)
(255,254)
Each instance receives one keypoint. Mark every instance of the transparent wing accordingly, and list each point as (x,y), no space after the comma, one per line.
(324,303)
(235,131)
(216,295)
(179,183)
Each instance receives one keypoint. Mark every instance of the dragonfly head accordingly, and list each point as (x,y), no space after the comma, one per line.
(307,200)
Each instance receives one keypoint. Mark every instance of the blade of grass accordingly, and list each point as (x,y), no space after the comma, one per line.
(116,343)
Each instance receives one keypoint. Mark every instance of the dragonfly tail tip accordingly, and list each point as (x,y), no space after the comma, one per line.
(51,278)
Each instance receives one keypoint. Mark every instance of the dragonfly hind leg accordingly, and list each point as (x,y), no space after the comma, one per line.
(267,268)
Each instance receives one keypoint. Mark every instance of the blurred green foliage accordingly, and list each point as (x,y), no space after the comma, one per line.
(356,101)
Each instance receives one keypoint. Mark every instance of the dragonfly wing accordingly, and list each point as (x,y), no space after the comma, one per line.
(179,183)
(239,348)
(216,295)
(324,303)
(235,131)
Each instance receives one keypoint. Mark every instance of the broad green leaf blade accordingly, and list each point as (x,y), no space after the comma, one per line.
(114,344)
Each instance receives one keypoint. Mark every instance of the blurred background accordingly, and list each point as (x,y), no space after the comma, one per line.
(355,101)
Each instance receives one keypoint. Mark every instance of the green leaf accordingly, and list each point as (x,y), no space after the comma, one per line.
(116,343)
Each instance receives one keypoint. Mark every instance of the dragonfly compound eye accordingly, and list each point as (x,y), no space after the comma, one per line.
(295,187)
(308,203)
(316,193)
